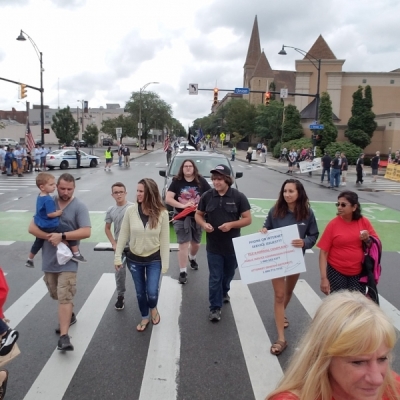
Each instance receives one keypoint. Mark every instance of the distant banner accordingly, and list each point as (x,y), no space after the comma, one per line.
(390,171)
(261,257)
(397,173)
(308,166)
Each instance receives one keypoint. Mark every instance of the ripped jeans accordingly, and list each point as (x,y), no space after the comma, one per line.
(146,276)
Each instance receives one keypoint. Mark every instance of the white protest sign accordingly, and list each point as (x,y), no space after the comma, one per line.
(307,166)
(261,257)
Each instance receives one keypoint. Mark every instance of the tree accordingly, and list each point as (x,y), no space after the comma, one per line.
(329,134)
(268,122)
(154,111)
(236,138)
(2,126)
(292,128)
(358,138)
(369,123)
(122,121)
(238,116)
(91,135)
(64,126)
(272,88)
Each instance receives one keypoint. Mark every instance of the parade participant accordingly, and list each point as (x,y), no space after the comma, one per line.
(375,165)
(2,157)
(341,246)
(344,355)
(169,154)
(185,191)
(221,212)
(115,215)
(292,161)
(146,227)
(326,167)
(37,152)
(109,159)
(360,169)
(47,218)
(335,170)
(291,208)
(61,279)
(345,167)
(43,158)
(19,155)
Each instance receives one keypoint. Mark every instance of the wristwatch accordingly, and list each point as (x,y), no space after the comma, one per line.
(63,237)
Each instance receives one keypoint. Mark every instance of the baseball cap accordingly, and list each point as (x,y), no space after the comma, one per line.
(337,153)
(221,169)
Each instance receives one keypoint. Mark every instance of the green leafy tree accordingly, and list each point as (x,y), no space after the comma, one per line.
(177,128)
(359,138)
(238,116)
(2,126)
(236,138)
(268,122)
(369,124)
(154,111)
(125,122)
(292,128)
(329,133)
(272,88)
(91,135)
(357,109)
(64,126)
(351,150)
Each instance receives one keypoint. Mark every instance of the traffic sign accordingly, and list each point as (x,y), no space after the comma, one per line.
(193,88)
(316,127)
(242,90)
(222,136)
(284,93)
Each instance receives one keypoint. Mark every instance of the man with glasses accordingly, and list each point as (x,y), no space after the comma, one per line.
(221,212)
(115,215)
(185,191)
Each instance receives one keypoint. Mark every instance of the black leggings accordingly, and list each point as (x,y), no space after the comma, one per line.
(338,281)
(359,176)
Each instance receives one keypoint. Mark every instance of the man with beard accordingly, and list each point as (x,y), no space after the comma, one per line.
(61,279)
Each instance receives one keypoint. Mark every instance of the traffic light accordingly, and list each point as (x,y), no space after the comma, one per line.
(267,98)
(215,96)
(22,91)
(46,130)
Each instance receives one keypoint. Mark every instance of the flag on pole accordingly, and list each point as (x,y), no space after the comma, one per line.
(166,143)
(200,135)
(30,142)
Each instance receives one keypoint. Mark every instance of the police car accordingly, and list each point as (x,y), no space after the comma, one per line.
(66,158)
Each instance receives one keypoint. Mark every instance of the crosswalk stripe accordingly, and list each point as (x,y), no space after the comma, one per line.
(391,311)
(6,242)
(162,364)
(307,297)
(255,342)
(56,375)
(25,304)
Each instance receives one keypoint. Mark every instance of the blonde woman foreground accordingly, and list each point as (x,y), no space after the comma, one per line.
(344,355)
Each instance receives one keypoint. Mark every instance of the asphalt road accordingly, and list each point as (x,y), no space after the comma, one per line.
(185,356)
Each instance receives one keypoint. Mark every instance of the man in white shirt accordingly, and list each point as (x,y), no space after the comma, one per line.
(43,158)
(2,156)
(19,155)
(37,153)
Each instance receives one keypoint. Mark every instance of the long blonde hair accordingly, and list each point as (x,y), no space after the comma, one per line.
(345,324)
(152,203)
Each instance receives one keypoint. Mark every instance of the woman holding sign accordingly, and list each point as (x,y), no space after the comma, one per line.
(291,208)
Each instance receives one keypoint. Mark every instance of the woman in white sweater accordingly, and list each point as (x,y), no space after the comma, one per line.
(146,227)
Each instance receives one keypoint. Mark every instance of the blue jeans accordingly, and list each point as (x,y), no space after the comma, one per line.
(222,270)
(120,160)
(335,177)
(146,277)
(328,171)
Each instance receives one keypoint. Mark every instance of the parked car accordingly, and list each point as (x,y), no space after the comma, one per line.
(8,142)
(38,141)
(205,162)
(82,143)
(66,158)
(108,142)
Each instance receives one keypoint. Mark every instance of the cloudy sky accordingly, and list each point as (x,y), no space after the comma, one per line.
(101,51)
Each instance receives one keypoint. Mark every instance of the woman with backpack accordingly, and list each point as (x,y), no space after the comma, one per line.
(341,246)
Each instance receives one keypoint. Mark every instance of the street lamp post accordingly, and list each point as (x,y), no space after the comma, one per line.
(140,113)
(21,37)
(317,64)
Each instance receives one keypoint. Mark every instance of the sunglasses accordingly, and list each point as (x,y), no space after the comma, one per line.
(342,204)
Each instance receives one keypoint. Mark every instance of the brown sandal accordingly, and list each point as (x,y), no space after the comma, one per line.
(286,323)
(278,347)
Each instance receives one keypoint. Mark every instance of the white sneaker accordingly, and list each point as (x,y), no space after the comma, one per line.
(343,184)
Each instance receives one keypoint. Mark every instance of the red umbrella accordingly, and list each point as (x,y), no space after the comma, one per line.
(184,212)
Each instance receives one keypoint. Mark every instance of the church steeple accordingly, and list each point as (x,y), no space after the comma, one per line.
(321,50)
(253,54)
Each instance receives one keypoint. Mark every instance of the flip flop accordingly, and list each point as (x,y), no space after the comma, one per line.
(279,346)
(286,323)
(3,387)
(140,328)
(154,318)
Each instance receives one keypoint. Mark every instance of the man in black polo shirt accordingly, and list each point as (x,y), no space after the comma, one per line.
(221,212)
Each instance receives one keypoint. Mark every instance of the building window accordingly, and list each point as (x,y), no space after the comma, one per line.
(392,81)
(47,115)
(364,81)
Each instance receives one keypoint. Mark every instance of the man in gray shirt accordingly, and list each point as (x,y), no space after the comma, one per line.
(115,215)
(61,279)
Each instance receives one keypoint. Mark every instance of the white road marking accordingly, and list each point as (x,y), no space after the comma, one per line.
(97,212)
(56,375)
(6,242)
(389,220)
(259,361)
(163,356)
(307,297)
(17,211)
(310,251)
(391,311)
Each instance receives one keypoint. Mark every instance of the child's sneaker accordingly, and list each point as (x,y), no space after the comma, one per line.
(79,258)
(29,264)
(8,341)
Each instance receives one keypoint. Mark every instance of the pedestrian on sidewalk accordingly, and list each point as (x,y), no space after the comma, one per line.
(233,153)
(120,155)
(291,208)
(115,215)
(78,158)
(375,165)
(127,154)
(221,212)
(292,161)
(263,153)
(360,169)
(335,170)
(185,191)
(326,167)
(249,154)
(345,167)
(109,159)
(146,227)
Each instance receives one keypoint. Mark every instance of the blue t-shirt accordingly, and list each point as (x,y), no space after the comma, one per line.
(45,205)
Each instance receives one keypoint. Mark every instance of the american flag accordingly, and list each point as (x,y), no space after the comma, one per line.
(166,143)
(30,142)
